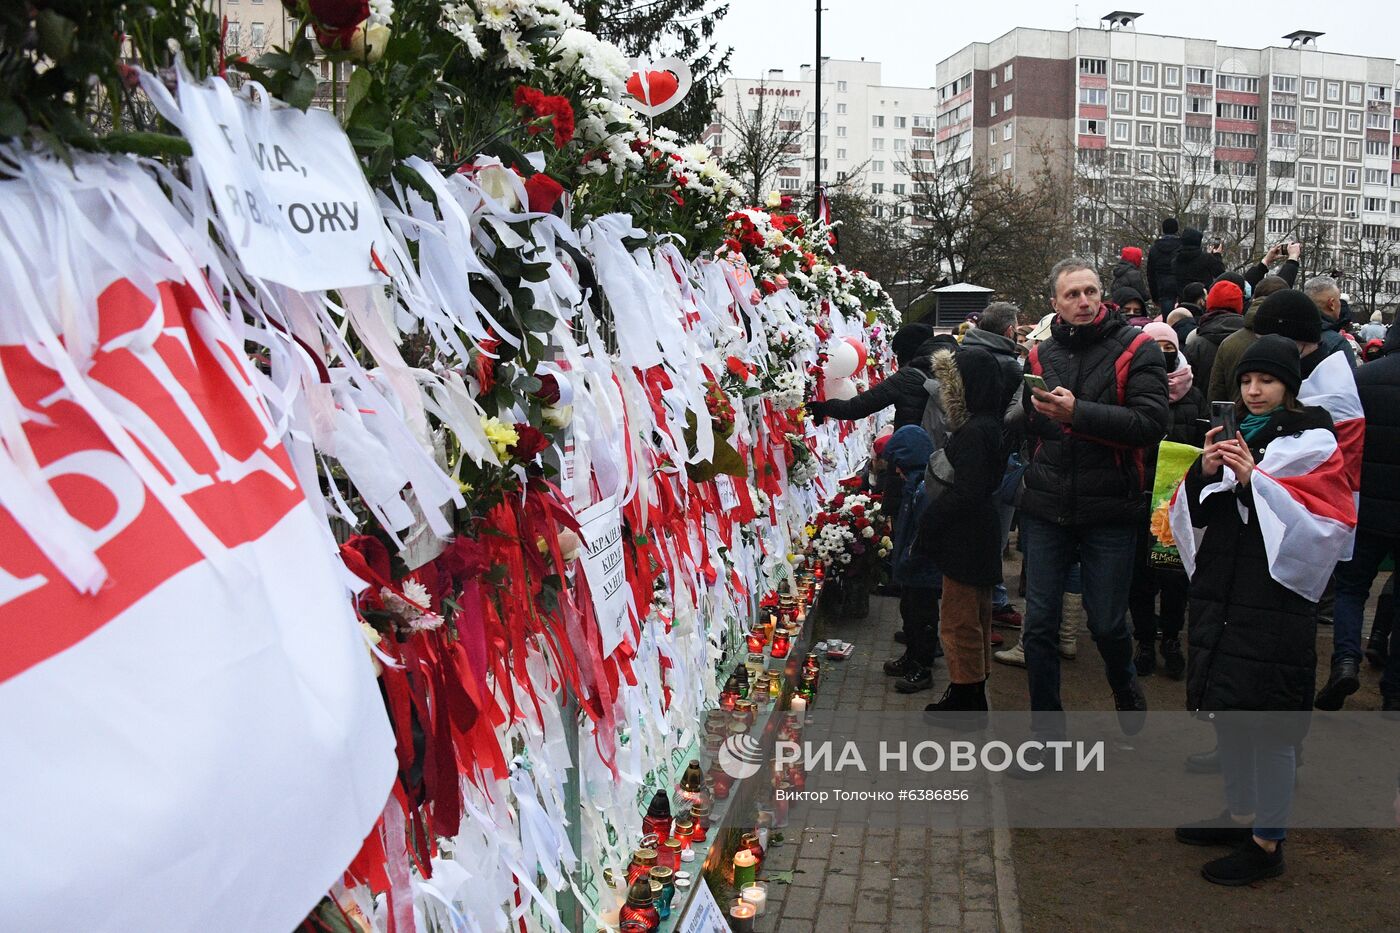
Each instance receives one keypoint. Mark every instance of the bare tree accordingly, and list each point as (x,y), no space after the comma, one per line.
(1371,264)
(971,225)
(874,236)
(766,143)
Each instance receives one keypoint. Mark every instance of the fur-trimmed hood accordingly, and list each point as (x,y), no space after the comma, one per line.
(970,383)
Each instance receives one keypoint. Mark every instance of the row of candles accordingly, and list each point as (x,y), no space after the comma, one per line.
(655,877)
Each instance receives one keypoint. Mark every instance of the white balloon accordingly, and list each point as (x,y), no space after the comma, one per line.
(842,388)
(842,359)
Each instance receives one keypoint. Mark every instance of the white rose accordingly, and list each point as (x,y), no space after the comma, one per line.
(867,532)
(497,183)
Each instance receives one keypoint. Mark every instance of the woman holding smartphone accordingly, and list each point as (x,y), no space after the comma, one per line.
(1259,520)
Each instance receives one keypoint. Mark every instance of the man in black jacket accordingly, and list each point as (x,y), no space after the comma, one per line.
(1086,492)
(913,346)
(1377,530)
(1192,263)
(1161,281)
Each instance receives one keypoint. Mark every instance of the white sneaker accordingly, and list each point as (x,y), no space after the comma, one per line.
(1069,629)
(1015,655)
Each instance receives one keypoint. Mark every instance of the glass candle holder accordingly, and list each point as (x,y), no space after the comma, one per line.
(782,644)
(670,855)
(757,895)
(741,917)
(665,877)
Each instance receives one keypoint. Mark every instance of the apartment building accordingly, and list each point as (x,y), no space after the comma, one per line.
(253,27)
(871,133)
(1270,143)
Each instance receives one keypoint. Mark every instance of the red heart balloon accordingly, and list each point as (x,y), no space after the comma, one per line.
(661,87)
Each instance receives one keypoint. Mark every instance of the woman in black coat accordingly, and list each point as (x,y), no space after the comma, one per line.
(961,528)
(1253,600)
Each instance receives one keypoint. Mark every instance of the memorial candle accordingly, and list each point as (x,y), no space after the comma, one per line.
(745,868)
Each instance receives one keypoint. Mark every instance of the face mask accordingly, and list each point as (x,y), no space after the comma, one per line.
(1171,361)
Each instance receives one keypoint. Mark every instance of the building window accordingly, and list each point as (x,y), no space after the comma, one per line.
(899,123)
(994,79)
(1247,112)
(1349,204)
(1283,112)
(1378,121)
(877,120)
(1092,127)
(1240,83)
(877,144)
(1171,135)
(1373,204)
(1198,134)
(1006,103)
(1353,93)
(1330,148)
(1329,176)
(899,188)
(1122,131)
(1006,73)
(1198,105)
(1376,176)
(899,144)
(1094,96)
(840,87)
(1171,76)
(1237,140)
(1147,74)
(1353,150)
(1147,134)
(1283,140)
(1329,203)
(877,187)
(1377,147)
(994,108)
(1307,174)
(1147,103)
(1093,66)
(1122,101)
(840,176)
(1353,178)
(1198,76)
(1310,88)
(840,132)
(877,166)
(840,153)
(1285,84)
(1306,200)
(1334,91)
(992,136)
(1123,72)
(1377,92)
(1006,130)
(841,108)
(1006,161)
(1281,198)
(789,183)
(1144,161)
(923,121)
(1309,118)
(258,36)
(1353,122)
(1332,120)
(1171,106)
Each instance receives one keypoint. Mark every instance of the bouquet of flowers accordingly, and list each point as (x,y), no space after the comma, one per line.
(850,535)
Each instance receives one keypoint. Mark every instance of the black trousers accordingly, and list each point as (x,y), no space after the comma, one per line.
(918,609)
(1148,583)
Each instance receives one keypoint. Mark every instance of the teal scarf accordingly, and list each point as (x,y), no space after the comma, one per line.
(1253,424)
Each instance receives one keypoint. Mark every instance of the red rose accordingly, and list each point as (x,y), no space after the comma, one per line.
(676,196)
(839,501)
(857,510)
(335,39)
(338,14)
(531,442)
(767,286)
(549,389)
(544,192)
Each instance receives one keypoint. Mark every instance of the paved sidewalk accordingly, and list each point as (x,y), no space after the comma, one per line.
(862,879)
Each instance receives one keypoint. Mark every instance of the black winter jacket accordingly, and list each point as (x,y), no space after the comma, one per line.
(1378,383)
(1008,358)
(1203,343)
(961,529)
(904,389)
(1160,278)
(1125,273)
(1288,272)
(1092,471)
(1193,264)
(1253,640)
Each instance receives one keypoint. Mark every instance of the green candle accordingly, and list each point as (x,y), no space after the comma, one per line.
(745,869)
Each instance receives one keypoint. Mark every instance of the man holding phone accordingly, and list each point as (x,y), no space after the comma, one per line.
(1097,398)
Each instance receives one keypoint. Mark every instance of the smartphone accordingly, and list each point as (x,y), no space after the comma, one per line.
(1222,415)
(1036,382)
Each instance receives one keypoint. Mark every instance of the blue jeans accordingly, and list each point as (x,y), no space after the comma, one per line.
(1005,511)
(1105,557)
(1258,776)
(1354,579)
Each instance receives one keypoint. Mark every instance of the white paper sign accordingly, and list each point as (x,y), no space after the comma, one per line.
(603,563)
(728,495)
(288,187)
(704,914)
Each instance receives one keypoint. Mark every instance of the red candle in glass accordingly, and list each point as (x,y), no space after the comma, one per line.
(781,644)
(723,782)
(684,831)
(639,906)
(658,817)
(755,640)
(700,813)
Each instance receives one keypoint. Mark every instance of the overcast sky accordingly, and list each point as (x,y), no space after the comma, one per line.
(909,37)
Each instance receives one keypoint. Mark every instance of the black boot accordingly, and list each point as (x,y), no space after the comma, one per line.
(917,678)
(1173,660)
(1245,865)
(1146,658)
(898,667)
(1342,684)
(963,707)
(1377,646)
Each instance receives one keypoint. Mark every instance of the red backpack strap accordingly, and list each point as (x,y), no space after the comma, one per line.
(1034,360)
(1125,363)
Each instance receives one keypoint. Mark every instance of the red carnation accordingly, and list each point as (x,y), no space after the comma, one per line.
(840,500)
(857,510)
(544,192)
(339,14)
(733,245)
(737,367)
(531,441)
(767,286)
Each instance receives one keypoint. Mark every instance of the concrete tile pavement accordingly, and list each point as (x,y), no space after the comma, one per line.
(859,879)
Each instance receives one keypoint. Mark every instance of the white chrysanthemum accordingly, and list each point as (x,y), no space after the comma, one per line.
(380,13)
(517,53)
(496,14)
(595,57)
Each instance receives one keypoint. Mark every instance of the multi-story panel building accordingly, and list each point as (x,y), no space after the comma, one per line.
(872,135)
(253,27)
(1258,145)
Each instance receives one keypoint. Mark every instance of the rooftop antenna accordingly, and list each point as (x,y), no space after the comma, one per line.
(1119,19)
(1303,38)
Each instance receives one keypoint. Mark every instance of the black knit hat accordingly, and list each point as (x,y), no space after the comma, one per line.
(907,339)
(1290,313)
(1275,355)
(1191,237)
(1169,225)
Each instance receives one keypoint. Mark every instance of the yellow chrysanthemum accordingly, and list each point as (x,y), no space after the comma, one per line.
(500,435)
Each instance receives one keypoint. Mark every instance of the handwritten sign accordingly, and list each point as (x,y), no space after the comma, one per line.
(704,914)
(728,495)
(601,528)
(288,187)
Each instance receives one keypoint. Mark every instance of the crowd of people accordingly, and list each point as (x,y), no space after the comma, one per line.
(1284,519)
